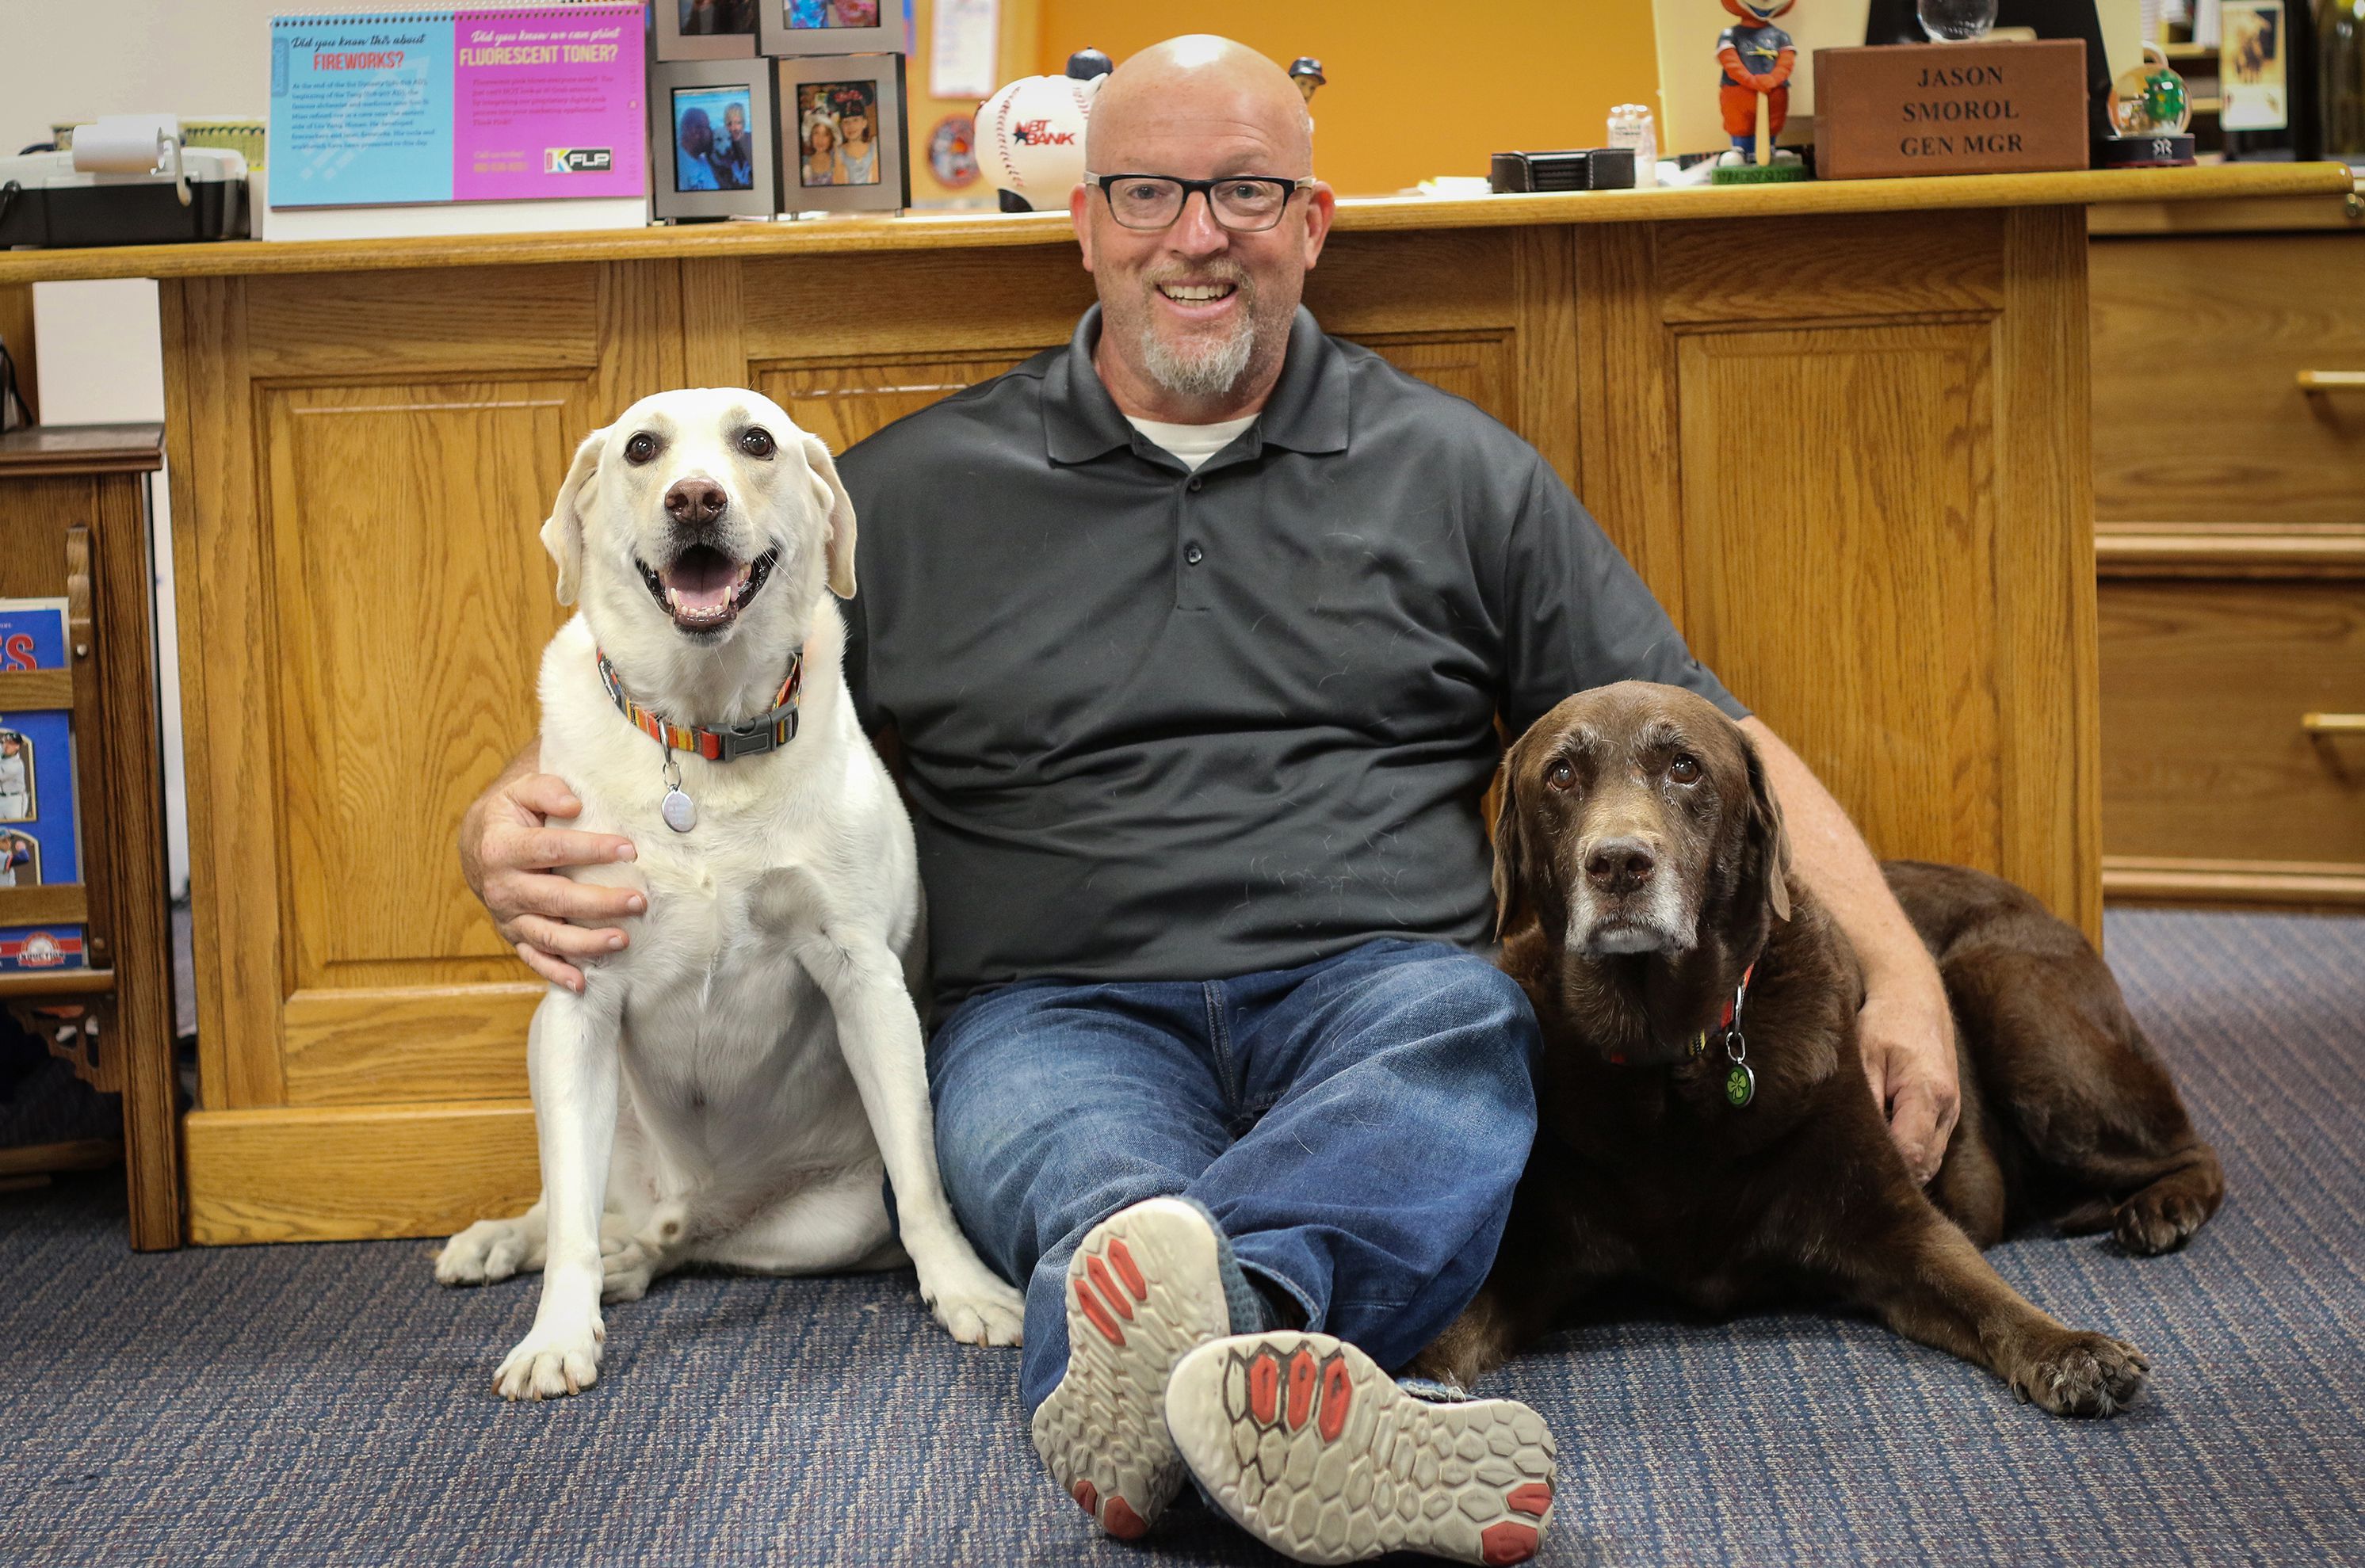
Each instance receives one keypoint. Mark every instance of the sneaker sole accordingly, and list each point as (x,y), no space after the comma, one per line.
(1314,1451)
(1143,1290)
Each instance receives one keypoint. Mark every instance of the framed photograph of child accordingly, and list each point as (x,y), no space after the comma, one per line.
(843,147)
(707,29)
(712,125)
(830,26)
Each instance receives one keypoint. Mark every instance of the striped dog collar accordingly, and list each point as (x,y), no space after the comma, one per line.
(768,733)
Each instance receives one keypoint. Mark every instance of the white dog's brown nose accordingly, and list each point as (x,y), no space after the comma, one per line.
(695,500)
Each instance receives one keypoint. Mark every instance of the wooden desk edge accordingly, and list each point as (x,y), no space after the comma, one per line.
(965,230)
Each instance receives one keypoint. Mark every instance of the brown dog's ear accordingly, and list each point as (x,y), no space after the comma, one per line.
(1510,853)
(841,516)
(1767,833)
(562,532)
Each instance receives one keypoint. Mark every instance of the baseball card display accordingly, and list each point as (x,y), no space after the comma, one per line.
(39,847)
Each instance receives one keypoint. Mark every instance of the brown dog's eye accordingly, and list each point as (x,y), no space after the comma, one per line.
(1685,769)
(756,442)
(641,448)
(1561,775)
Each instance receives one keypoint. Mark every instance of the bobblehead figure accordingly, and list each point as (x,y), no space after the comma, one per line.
(1755,87)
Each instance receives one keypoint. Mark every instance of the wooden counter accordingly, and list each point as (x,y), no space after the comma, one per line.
(1841,430)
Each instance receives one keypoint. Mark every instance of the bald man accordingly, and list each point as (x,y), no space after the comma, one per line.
(1192,633)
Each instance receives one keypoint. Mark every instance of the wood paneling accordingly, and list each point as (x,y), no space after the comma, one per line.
(961,305)
(1482,368)
(414,601)
(2198,413)
(230,651)
(362,324)
(1807,269)
(2204,758)
(1884,525)
(2041,572)
(342,1174)
(843,402)
(360,1048)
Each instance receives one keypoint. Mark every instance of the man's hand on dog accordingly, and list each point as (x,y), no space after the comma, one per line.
(1907,1034)
(511,856)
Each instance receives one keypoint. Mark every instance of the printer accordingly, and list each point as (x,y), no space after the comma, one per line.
(125,181)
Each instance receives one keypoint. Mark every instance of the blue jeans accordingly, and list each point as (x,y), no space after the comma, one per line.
(1355,1126)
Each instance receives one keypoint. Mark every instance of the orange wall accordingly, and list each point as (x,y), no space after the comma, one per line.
(1415,88)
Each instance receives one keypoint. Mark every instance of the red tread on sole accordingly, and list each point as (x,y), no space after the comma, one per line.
(1507,1541)
(1531,1499)
(1126,1269)
(1099,1316)
(1107,1287)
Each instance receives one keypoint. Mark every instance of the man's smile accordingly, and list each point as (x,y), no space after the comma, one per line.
(1200,300)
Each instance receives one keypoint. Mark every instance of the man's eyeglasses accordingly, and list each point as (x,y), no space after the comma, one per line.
(1244,204)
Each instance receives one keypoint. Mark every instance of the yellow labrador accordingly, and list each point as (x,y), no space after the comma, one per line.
(729,1087)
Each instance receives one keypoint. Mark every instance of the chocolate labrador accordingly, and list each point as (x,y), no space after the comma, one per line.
(1706,1133)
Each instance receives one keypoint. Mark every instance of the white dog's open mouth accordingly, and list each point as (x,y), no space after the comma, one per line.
(704,589)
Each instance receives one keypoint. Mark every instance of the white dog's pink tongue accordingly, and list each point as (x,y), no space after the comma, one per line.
(701,582)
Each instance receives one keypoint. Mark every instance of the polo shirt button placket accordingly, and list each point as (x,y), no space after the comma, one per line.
(1191,585)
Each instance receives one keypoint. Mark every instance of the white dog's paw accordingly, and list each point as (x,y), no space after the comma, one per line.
(488,1250)
(549,1362)
(627,1266)
(975,1307)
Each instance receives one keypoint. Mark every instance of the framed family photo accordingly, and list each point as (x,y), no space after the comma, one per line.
(842,134)
(831,26)
(706,29)
(711,139)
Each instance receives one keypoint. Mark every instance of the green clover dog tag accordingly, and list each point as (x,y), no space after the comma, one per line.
(1739,1085)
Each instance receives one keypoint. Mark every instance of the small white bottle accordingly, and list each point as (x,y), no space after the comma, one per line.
(1631,125)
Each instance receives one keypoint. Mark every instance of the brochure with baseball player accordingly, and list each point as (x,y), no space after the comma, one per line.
(39,820)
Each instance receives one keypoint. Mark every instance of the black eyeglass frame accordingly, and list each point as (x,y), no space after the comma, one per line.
(1206,188)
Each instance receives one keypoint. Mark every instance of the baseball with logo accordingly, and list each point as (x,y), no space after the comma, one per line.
(1032,136)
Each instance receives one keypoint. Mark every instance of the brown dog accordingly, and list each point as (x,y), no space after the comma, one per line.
(1730,1162)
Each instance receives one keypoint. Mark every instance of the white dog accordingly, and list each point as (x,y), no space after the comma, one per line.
(724,1089)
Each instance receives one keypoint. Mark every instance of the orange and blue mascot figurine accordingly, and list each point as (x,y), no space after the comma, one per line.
(1758,58)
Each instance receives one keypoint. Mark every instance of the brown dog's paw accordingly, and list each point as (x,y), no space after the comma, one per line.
(2084,1375)
(2153,1222)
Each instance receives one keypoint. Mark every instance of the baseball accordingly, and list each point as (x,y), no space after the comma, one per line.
(1033,135)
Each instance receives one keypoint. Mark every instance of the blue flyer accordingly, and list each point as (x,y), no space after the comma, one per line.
(38,817)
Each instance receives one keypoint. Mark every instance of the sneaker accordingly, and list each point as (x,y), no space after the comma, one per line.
(1145,1287)
(1316,1452)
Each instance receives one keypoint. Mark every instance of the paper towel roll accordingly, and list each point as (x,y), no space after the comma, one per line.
(124,144)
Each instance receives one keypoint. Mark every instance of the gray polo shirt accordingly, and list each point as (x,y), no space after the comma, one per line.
(1166,725)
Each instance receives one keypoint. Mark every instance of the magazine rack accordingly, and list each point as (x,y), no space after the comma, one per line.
(74,524)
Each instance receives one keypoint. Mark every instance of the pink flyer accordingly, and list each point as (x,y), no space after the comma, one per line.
(548,103)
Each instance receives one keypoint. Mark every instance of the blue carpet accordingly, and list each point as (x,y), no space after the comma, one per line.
(328,1404)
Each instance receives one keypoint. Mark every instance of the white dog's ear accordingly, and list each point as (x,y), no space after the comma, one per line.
(841,516)
(561,533)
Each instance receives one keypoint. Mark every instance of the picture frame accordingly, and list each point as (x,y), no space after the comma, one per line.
(706,29)
(713,151)
(863,163)
(798,27)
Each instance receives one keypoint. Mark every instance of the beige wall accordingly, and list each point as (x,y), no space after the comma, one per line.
(99,361)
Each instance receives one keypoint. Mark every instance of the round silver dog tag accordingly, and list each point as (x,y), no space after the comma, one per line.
(679,813)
